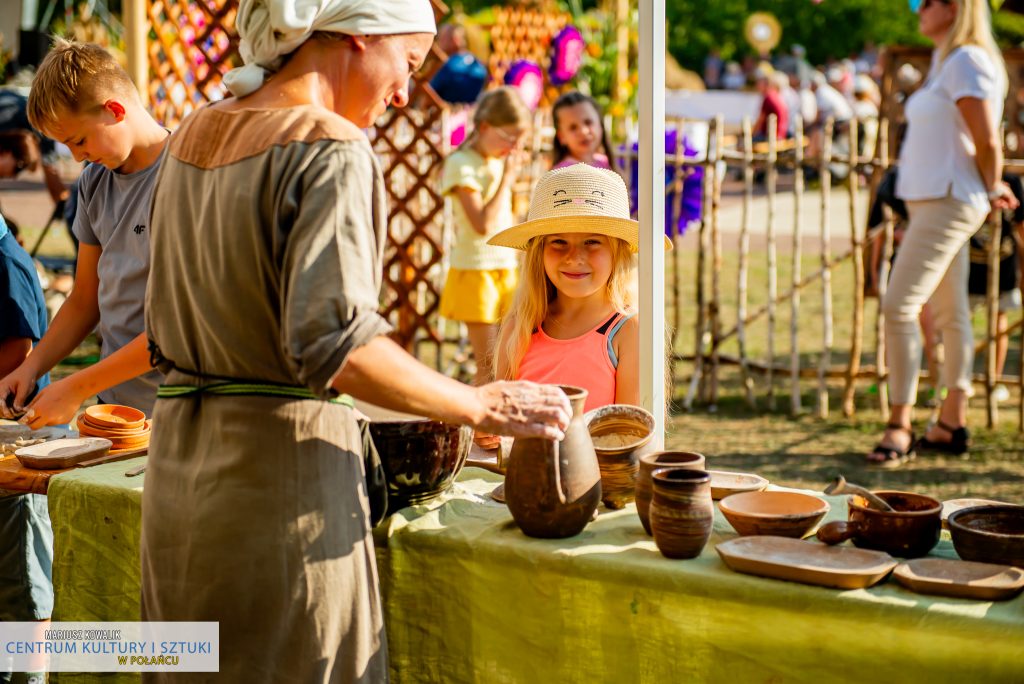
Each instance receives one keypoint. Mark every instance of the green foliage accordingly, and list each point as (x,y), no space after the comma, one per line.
(1009,29)
(832,29)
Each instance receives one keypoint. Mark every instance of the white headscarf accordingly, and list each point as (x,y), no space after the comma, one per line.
(271,29)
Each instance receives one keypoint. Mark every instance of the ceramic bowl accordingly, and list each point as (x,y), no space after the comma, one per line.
(724,483)
(115,416)
(421,458)
(989,534)
(621,434)
(911,530)
(784,514)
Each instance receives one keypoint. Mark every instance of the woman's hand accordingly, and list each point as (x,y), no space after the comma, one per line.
(1002,197)
(524,409)
(15,389)
(55,404)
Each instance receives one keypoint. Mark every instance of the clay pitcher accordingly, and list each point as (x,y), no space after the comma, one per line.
(553,488)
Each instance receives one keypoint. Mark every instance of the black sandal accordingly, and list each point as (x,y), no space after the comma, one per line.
(891,457)
(959,441)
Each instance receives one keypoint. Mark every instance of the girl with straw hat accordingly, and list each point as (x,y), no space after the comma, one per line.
(572,320)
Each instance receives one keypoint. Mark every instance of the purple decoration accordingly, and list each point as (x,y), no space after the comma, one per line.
(526,77)
(693,185)
(567,55)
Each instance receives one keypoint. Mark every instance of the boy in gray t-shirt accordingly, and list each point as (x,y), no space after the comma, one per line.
(83,98)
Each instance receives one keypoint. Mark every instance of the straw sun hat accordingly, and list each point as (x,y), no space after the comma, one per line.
(576,199)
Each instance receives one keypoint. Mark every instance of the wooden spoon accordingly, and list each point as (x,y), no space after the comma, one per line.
(841,486)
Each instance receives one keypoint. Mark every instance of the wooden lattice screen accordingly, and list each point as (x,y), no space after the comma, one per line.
(411,144)
(523,33)
(191,45)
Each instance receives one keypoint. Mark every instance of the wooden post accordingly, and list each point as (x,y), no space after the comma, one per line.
(794,309)
(741,285)
(697,381)
(716,255)
(677,207)
(136,24)
(651,197)
(883,284)
(992,308)
(826,269)
(773,276)
(857,339)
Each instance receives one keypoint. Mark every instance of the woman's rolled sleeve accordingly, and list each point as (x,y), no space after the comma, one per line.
(331,274)
(970,73)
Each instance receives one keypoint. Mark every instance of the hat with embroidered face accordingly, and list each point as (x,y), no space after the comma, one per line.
(576,199)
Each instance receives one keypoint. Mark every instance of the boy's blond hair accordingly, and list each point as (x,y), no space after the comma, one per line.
(75,78)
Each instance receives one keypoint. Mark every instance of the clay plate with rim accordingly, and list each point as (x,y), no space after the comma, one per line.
(724,483)
(953,505)
(960,579)
(785,514)
(115,416)
(62,453)
(794,560)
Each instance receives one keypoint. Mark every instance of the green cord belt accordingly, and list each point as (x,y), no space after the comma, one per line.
(246,389)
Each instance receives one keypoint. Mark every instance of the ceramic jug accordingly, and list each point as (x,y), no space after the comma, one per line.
(553,488)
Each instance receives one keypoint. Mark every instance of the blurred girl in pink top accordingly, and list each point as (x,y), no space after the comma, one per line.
(579,133)
(572,319)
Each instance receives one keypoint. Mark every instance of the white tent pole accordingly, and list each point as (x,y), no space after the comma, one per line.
(651,198)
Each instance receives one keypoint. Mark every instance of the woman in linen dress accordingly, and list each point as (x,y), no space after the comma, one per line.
(268,229)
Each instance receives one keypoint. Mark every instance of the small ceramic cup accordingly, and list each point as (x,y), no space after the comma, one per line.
(681,512)
(686,460)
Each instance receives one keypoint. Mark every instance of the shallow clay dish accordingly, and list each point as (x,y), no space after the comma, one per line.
(115,416)
(953,505)
(989,534)
(960,579)
(785,514)
(725,483)
(62,453)
(842,567)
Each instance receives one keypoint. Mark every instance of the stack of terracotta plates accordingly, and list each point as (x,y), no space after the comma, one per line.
(126,427)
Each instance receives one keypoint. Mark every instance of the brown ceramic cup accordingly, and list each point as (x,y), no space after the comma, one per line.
(912,530)
(686,460)
(621,434)
(681,512)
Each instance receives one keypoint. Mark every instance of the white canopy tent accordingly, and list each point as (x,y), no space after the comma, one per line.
(651,205)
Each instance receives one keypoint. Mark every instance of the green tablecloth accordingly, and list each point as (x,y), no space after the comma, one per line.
(96,515)
(468,598)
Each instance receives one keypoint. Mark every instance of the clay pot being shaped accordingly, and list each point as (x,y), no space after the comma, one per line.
(553,488)
(687,460)
(912,530)
(621,434)
(681,513)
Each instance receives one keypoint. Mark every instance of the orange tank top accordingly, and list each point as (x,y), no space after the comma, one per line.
(587,361)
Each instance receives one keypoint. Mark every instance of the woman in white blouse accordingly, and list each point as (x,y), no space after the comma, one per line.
(950,169)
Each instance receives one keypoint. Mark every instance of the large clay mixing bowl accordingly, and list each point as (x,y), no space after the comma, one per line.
(909,531)
(421,458)
(783,514)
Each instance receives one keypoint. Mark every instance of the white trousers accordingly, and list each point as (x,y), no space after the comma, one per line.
(931,266)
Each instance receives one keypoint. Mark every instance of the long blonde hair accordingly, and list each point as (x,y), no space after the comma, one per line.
(502,106)
(535,293)
(973,26)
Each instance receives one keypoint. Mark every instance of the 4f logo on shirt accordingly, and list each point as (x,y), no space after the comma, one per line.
(138,230)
